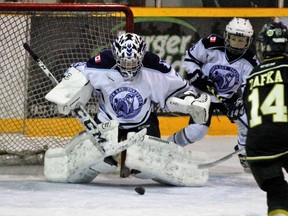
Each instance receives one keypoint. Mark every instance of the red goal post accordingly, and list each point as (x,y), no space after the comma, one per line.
(60,34)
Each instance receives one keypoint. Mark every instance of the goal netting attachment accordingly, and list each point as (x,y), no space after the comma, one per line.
(60,34)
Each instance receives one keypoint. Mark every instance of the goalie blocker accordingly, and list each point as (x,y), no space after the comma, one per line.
(188,103)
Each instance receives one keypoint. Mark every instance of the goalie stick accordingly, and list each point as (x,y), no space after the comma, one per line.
(40,63)
(83,116)
(214,163)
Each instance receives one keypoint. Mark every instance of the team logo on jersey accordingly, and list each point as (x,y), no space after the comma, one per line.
(224,77)
(126,102)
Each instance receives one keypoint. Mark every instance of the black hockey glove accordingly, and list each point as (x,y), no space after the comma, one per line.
(235,107)
(200,81)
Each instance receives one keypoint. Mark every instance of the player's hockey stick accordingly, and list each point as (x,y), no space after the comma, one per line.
(84,117)
(214,163)
(261,158)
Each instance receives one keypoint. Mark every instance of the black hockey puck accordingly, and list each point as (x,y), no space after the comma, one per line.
(140,190)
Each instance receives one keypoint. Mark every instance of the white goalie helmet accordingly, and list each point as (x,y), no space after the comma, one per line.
(238,35)
(129,50)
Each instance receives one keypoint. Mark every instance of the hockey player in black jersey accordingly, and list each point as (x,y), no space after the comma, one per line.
(266,100)
(220,65)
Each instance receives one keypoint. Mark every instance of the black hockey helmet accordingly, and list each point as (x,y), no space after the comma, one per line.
(272,40)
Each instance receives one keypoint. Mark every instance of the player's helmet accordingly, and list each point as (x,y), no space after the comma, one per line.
(272,40)
(238,35)
(129,50)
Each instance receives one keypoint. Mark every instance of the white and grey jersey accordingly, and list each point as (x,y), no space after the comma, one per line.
(228,72)
(129,102)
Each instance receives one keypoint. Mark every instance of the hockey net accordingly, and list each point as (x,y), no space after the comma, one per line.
(60,34)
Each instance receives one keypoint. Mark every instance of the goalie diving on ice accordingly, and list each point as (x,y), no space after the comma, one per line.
(127,79)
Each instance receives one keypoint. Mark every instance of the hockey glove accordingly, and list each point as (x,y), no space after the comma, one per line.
(235,107)
(244,163)
(200,81)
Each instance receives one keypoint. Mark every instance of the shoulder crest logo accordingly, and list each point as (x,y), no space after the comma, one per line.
(212,39)
(97,58)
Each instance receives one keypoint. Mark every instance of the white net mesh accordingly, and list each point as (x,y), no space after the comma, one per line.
(28,123)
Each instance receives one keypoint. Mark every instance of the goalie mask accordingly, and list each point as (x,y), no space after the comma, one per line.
(238,36)
(272,40)
(129,50)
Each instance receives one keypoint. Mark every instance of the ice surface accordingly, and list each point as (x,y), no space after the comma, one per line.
(229,192)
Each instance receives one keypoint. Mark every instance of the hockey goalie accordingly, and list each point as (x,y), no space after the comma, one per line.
(124,77)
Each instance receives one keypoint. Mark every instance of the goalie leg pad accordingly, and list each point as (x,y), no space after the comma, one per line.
(165,162)
(55,165)
(79,162)
(82,160)
(196,107)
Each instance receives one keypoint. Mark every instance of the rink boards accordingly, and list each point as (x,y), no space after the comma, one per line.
(220,125)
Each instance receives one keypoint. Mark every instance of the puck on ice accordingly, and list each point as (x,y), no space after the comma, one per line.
(140,189)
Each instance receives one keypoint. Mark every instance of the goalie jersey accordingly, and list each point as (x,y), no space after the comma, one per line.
(228,72)
(129,102)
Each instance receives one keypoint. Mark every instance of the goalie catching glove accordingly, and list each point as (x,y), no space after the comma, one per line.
(197,106)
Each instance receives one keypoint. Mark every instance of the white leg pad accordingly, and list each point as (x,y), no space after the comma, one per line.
(82,160)
(167,162)
(73,163)
(55,165)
